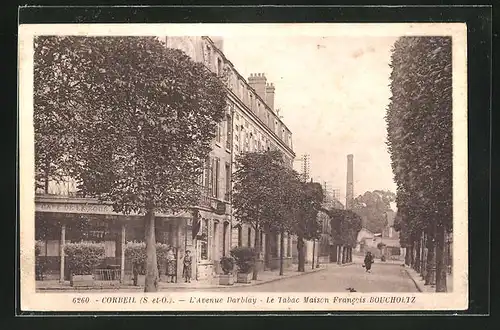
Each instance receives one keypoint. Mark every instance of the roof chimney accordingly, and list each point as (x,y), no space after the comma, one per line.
(258,82)
(270,95)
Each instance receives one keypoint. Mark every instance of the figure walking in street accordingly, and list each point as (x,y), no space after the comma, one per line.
(186,272)
(368,261)
(171,265)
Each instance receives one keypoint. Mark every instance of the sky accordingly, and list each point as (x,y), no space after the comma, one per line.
(333,93)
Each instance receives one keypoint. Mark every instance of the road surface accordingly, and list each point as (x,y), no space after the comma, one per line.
(383,278)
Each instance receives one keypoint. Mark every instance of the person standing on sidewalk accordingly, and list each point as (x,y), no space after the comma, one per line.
(368,261)
(171,265)
(186,272)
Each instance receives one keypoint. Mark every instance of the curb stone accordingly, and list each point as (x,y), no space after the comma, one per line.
(284,277)
(413,280)
(140,288)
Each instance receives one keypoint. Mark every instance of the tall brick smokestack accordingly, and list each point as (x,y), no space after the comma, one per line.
(350,183)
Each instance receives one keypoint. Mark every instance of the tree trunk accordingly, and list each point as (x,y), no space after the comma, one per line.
(440,264)
(431,260)
(425,254)
(151,282)
(282,248)
(412,259)
(257,253)
(408,255)
(417,256)
(339,254)
(300,250)
(422,256)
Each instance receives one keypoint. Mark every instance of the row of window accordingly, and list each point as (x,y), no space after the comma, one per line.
(213,239)
(247,96)
(212,178)
(245,139)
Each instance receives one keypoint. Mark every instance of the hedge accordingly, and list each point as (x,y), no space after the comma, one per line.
(135,252)
(84,257)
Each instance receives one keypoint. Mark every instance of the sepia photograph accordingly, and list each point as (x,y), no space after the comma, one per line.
(243,167)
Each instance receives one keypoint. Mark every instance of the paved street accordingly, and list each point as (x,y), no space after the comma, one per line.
(383,278)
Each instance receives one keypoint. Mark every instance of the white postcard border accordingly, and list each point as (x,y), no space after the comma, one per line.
(49,301)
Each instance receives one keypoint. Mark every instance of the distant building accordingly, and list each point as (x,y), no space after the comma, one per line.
(384,243)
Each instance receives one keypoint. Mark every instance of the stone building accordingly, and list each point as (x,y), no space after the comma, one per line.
(251,124)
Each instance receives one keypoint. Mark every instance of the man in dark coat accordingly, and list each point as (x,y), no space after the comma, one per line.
(368,261)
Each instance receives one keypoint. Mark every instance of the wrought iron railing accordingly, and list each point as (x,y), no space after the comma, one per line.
(107,274)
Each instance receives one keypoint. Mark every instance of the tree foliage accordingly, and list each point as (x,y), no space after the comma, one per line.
(372,207)
(419,125)
(131,120)
(419,131)
(258,192)
(345,226)
(135,130)
(307,205)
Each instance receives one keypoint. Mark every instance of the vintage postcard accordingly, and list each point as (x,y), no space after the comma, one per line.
(243,167)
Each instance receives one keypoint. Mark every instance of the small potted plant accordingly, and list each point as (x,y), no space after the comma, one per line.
(227,265)
(245,260)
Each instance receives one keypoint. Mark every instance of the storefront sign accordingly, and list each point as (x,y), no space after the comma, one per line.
(92,208)
(74,208)
(221,208)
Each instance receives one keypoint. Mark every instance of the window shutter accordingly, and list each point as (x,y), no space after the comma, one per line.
(212,167)
(217,171)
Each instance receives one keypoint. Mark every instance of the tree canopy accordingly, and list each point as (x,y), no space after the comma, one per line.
(256,195)
(372,207)
(419,137)
(133,130)
(345,226)
(129,119)
(307,206)
(419,127)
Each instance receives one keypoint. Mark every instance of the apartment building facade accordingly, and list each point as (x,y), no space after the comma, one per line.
(252,124)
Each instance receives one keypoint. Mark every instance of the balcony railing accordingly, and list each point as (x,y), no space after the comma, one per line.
(205,197)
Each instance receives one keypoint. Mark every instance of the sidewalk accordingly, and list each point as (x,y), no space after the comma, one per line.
(263,277)
(420,283)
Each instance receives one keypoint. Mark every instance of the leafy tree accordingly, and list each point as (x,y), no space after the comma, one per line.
(56,111)
(306,224)
(139,119)
(345,226)
(419,128)
(257,196)
(372,206)
(287,189)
